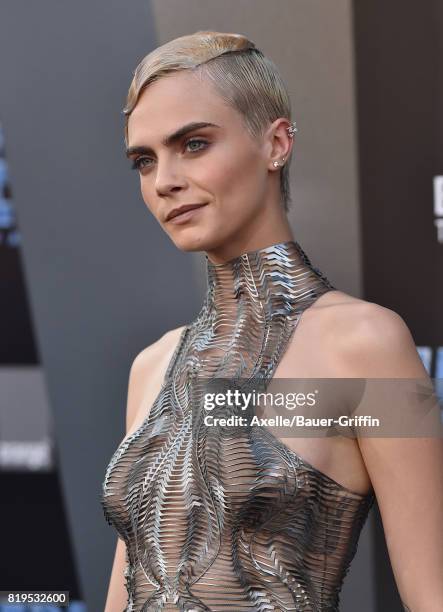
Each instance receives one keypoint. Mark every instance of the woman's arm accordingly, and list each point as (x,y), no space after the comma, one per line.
(406,473)
(117,598)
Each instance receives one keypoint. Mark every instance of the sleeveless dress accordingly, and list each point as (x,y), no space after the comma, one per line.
(223,518)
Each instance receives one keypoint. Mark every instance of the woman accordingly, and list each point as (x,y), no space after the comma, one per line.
(222,518)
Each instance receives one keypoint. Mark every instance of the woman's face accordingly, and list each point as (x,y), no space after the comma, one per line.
(218,166)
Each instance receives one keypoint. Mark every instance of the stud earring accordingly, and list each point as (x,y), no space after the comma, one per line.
(276,164)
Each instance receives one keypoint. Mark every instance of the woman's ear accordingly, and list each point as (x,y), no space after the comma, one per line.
(279,142)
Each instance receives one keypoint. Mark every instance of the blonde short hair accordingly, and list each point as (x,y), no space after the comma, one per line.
(241,74)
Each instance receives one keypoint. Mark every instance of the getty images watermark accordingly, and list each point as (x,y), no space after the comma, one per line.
(290,401)
(317,407)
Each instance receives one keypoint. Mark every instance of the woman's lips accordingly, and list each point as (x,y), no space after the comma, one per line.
(184,217)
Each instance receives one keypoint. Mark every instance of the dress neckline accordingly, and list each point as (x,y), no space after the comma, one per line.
(278,279)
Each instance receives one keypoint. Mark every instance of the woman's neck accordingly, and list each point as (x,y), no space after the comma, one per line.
(277,277)
(254,241)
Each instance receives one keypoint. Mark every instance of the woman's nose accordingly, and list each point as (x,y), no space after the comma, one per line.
(168,177)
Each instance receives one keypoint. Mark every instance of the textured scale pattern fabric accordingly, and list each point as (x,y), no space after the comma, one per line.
(215,519)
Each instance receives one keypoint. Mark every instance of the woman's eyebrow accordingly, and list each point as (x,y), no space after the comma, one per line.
(172,138)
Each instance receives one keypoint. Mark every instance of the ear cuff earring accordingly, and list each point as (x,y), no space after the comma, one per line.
(291,131)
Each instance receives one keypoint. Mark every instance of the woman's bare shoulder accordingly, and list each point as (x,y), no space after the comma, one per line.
(351,313)
(158,348)
(368,336)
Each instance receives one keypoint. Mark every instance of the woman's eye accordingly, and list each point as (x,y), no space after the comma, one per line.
(196,141)
(139,162)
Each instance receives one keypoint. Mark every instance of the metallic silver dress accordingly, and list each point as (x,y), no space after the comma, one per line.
(230,518)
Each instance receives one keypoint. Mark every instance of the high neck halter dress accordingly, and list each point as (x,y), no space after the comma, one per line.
(218,519)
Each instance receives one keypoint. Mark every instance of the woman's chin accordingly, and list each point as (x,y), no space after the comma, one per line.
(194,241)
